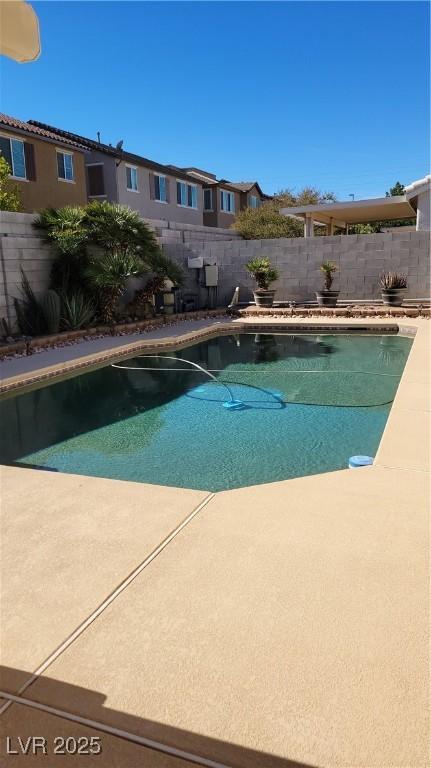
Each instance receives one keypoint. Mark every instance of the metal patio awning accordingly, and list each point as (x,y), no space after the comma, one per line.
(354,212)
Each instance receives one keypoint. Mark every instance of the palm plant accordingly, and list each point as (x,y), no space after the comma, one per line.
(108,275)
(65,229)
(164,267)
(263,272)
(126,247)
(118,229)
(328,269)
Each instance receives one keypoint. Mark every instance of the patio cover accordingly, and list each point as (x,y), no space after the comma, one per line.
(19,31)
(353,212)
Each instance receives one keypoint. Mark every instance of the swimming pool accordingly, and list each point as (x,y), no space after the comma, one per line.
(304,404)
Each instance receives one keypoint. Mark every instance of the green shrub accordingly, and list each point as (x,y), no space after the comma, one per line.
(10,196)
(266,223)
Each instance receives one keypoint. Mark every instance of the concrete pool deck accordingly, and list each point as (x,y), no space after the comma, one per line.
(276,625)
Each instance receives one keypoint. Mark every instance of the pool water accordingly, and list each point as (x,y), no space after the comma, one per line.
(306,404)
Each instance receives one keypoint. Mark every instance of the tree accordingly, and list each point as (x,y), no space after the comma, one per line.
(397,189)
(267,222)
(10,197)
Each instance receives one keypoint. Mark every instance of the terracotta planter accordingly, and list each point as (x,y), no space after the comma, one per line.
(264,297)
(327,298)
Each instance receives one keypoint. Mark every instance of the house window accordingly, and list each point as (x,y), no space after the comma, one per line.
(132,178)
(13,152)
(65,166)
(160,189)
(208,200)
(254,202)
(187,195)
(96,181)
(227,201)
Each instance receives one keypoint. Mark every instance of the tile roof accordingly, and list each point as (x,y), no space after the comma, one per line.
(108,149)
(37,130)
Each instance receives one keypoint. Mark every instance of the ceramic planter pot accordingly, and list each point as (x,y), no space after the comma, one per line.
(327,298)
(264,297)
(393,297)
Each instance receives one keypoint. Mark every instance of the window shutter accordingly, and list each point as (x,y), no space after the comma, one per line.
(96,182)
(30,164)
(152,187)
(167,188)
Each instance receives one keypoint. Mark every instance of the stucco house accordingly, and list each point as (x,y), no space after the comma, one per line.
(48,169)
(223,199)
(155,190)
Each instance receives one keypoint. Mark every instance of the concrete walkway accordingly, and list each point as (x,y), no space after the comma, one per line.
(48,357)
(273,626)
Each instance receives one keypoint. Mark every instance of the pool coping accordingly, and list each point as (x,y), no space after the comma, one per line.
(60,371)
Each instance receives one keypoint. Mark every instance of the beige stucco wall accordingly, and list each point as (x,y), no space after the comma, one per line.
(153,209)
(48,190)
(218,218)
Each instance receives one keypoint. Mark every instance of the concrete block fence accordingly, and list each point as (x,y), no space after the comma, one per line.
(360,258)
(21,246)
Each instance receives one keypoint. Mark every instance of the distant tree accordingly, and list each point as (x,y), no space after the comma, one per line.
(267,222)
(10,197)
(397,189)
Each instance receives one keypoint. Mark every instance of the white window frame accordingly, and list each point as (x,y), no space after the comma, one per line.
(132,168)
(62,152)
(211,191)
(187,184)
(11,139)
(160,176)
(222,209)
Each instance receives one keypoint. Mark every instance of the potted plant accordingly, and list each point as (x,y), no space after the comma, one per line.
(327,297)
(264,274)
(393,286)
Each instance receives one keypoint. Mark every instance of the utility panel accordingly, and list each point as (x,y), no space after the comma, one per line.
(211,276)
(195,263)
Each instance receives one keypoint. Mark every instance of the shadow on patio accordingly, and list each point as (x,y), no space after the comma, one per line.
(125,739)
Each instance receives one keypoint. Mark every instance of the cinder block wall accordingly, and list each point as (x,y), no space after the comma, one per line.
(360,260)
(20,246)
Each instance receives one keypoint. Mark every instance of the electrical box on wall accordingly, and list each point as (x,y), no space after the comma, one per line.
(211,276)
(196,262)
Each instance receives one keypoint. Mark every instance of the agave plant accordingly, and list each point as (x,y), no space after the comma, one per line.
(328,269)
(29,313)
(77,311)
(390,280)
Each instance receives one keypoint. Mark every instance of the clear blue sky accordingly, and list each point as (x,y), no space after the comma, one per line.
(331,94)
